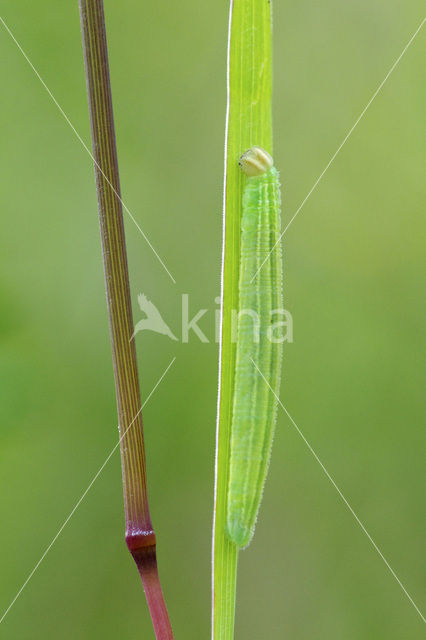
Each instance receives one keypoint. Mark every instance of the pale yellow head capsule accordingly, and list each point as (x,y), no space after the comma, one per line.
(256,161)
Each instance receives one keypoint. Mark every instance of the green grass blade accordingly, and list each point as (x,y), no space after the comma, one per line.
(248,123)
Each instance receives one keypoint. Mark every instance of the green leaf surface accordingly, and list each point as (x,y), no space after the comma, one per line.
(248,123)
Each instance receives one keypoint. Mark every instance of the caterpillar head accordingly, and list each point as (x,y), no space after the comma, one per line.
(255,161)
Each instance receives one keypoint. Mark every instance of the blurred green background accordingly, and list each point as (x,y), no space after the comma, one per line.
(353,274)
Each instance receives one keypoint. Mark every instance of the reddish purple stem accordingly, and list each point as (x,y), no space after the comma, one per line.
(140,537)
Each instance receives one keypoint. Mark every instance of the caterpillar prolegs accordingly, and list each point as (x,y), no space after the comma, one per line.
(260,294)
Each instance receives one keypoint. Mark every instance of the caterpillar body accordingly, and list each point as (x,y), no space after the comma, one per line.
(254,404)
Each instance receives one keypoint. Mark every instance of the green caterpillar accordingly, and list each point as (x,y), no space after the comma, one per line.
(254,404)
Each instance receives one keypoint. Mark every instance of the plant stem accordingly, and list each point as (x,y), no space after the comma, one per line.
(140,537)
(248,123)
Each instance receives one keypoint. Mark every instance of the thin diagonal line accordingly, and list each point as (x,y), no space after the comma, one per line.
(342,496)
(96,476)
(333,157)
(86,147)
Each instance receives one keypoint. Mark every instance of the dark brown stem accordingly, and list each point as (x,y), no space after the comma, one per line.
(140,537)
